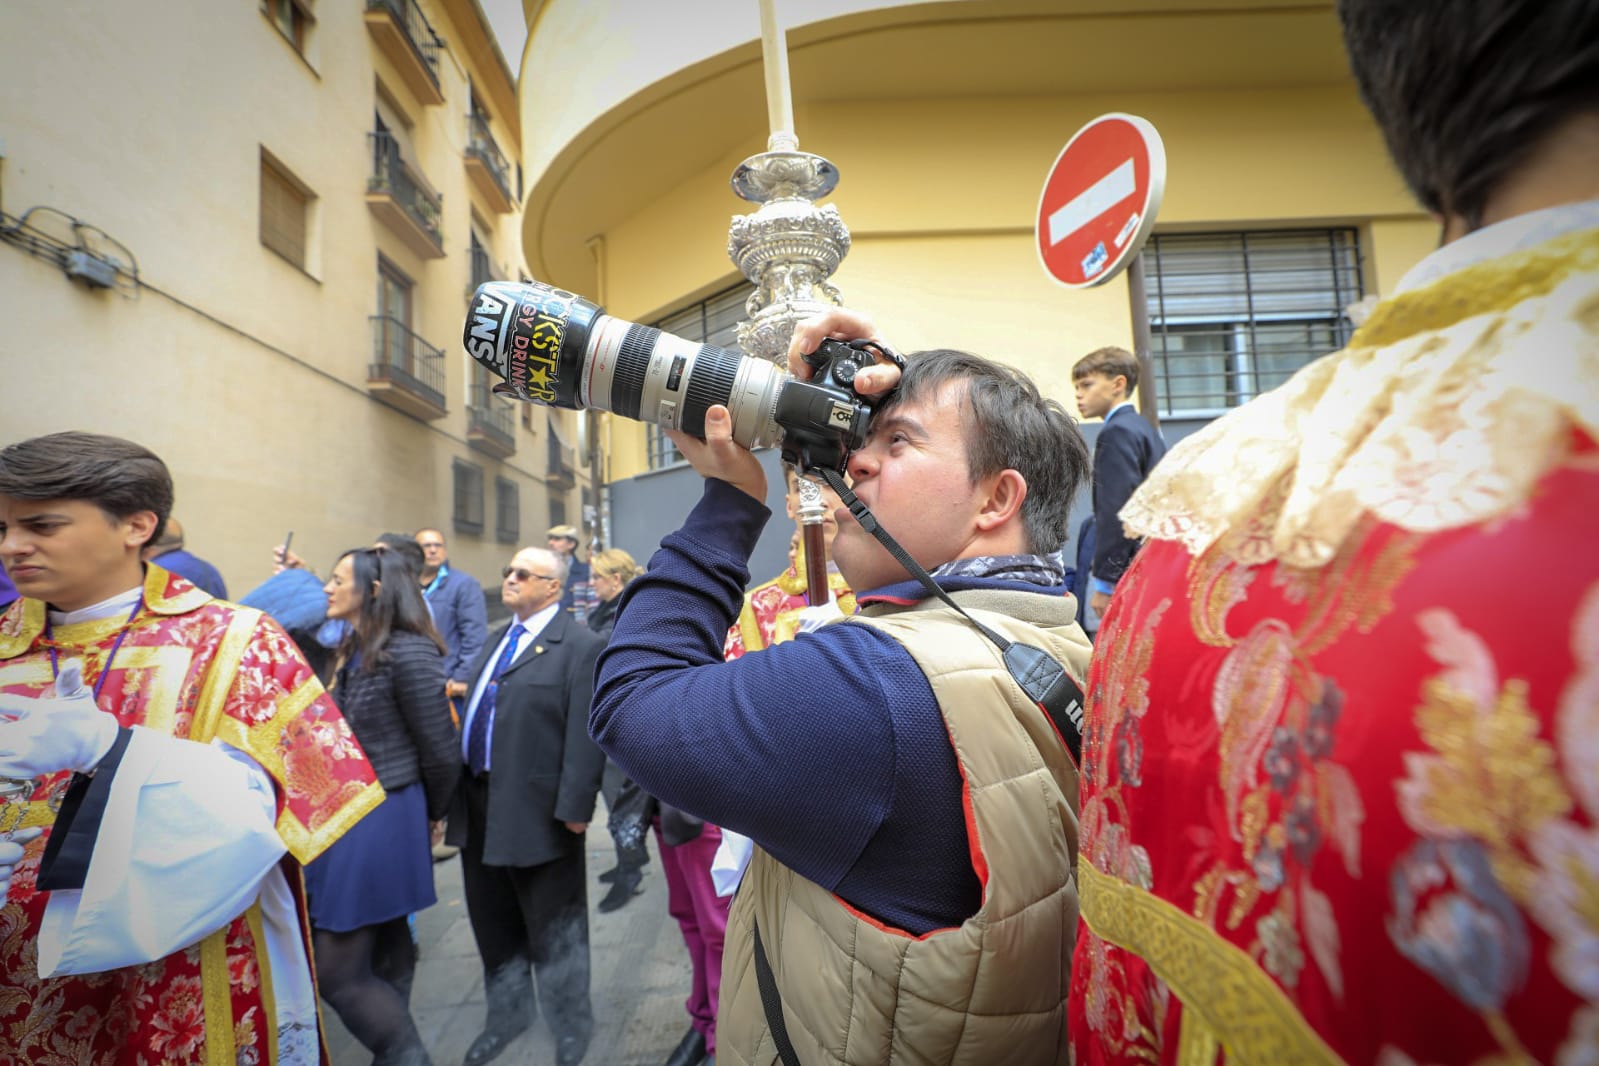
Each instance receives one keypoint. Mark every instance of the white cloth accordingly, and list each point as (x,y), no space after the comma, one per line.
(188,842)
(532,629)
(732,858)
(187,837)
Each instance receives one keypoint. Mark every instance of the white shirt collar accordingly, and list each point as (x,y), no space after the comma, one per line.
(1502,238)
(1118,407)
(119,604)
(539,619)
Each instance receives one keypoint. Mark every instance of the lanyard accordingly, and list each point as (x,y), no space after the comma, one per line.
(427,593)
(105,671)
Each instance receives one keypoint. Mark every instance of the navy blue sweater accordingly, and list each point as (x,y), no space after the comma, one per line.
(828,750)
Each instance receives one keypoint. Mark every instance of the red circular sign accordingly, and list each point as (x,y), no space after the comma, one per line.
(1100,199)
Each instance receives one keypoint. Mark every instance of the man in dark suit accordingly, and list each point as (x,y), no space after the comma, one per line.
(1127,450)
(522,808)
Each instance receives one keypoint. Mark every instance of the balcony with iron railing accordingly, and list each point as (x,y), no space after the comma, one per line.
(561,471)
(486,166)
(406,38)
(402,200)
(406,372)
(490,427)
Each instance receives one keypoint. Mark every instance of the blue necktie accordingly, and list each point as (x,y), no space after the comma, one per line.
(477,741)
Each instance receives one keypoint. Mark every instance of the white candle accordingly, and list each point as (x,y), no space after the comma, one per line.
(774,54)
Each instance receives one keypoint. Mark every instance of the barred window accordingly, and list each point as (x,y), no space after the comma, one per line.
(284,208)
(1233,315)
(468,496)
(714,321)
(507,511)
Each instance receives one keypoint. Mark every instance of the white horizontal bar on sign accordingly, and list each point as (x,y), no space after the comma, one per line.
(1092,202)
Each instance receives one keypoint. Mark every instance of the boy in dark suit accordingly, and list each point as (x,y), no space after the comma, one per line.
(1127,450)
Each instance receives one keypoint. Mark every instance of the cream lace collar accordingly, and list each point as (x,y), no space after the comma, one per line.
(1449,404)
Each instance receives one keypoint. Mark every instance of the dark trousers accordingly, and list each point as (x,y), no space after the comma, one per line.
(531,914)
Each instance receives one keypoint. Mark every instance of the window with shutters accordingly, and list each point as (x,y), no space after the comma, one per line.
(712,321)
(293,19)
(285,211)
(1233,315)
(468,496)
(507,511)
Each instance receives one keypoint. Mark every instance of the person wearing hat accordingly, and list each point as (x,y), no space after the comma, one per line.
(577,598)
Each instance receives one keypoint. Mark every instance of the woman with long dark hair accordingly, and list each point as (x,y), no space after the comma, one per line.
(389,682)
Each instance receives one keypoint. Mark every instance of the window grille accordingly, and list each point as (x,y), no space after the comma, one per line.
(468,496)
(713,321)
(1233,315)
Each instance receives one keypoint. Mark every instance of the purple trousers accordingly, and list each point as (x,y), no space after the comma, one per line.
(691,898)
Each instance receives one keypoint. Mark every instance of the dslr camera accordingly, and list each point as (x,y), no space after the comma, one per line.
(553,347)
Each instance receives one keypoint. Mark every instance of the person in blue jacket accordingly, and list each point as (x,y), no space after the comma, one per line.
(459,613)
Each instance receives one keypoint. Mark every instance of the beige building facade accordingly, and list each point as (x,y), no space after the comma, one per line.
(1281,208)
(245,235)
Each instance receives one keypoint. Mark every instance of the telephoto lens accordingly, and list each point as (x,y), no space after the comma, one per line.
(554,347)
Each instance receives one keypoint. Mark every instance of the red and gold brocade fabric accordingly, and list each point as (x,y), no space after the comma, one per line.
(771,613)
(1341,770)
(196,668)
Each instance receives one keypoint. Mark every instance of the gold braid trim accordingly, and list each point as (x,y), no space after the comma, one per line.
(1483,288)
(1239,1006)
(219,677)
(263,966)
(218,998)
(306,844)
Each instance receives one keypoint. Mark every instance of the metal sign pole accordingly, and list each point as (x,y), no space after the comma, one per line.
(1138,305)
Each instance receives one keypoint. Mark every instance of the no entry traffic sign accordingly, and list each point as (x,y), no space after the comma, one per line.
(1100,199)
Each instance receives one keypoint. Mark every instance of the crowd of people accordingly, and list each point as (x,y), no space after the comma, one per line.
(1322,800)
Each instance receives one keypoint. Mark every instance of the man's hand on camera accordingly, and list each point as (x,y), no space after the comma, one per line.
(720,456)
(841,325)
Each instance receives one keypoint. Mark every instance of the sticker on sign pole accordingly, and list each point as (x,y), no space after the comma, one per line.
(1100,200)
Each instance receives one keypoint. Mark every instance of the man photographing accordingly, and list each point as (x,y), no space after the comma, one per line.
(914,809)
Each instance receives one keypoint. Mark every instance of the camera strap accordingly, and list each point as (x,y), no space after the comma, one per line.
(1045,681)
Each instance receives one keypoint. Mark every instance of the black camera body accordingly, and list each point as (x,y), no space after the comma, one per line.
(824,419)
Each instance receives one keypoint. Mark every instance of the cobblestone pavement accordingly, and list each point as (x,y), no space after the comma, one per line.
(640,978)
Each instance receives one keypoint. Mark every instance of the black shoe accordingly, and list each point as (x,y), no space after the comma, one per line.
(623,889)
(690,1051)
(609,876)
(490,1042)
(509,992)
(570,1049)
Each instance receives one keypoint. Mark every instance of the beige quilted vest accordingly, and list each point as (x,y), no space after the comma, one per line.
(992,990)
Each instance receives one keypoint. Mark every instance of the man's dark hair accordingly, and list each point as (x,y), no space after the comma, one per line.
(396,605)
(1466,90)
(406,547)
(118,476)
(1011,427)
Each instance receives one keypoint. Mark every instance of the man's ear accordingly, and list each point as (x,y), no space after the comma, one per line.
(139,529)
(1004,500)
(1124,388)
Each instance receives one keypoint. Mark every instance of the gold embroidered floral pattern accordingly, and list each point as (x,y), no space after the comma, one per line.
(1490,808)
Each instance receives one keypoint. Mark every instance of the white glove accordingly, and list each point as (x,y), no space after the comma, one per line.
(41,736)
(814,618)
(10,855)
